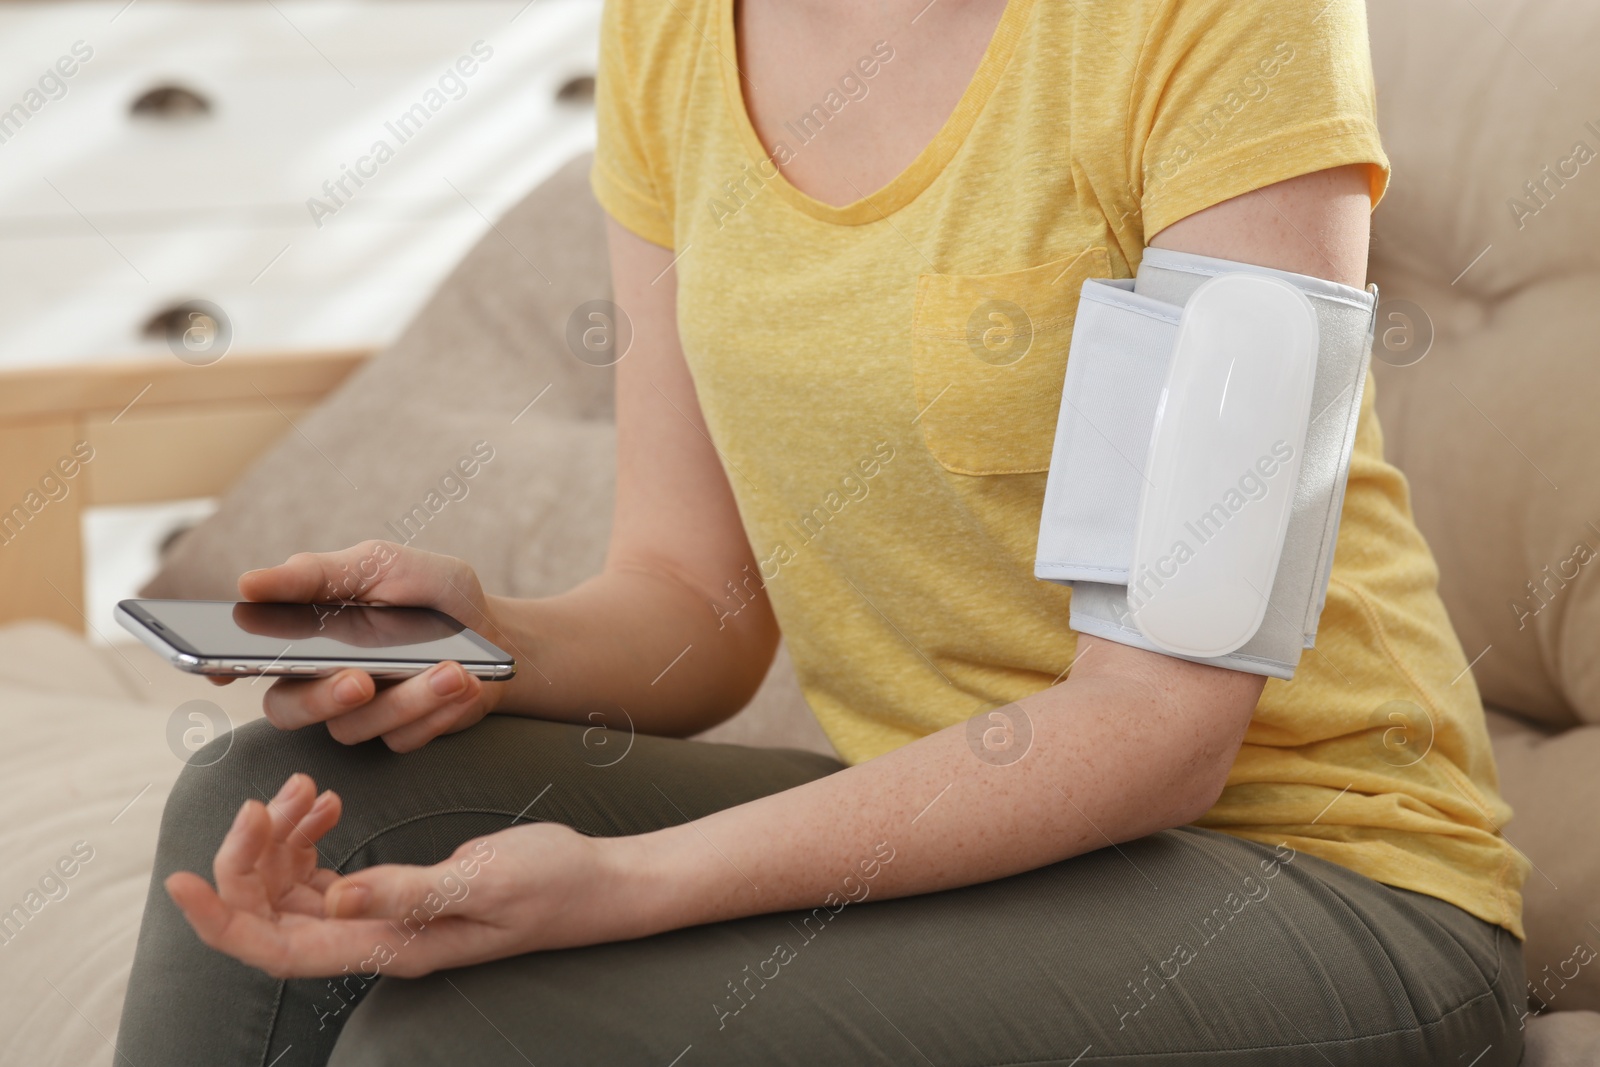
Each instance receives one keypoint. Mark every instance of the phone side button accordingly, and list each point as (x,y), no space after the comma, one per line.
(240,668)
(307,669)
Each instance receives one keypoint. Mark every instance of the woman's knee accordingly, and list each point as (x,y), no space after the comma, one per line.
(251,761)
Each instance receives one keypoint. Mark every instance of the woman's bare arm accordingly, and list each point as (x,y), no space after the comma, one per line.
(653,632)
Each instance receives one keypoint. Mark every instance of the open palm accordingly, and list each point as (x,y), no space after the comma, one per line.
(274,907)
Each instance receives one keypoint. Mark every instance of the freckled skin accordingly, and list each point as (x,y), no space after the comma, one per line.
(1129,743)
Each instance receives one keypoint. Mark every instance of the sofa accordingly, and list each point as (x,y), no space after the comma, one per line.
(1485,382)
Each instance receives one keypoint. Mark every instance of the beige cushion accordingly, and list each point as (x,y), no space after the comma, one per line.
(1549,780)
(86,759)
(489,342)
(1563,1039)
(1470,111)
(1496,431)
(1495,427)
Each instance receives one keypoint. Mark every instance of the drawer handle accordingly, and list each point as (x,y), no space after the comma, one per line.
(576,90)
(197,331)
(170,103)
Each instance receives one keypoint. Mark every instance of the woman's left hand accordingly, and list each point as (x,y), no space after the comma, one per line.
(536,886)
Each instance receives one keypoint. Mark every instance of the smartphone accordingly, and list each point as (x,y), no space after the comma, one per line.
(308,640)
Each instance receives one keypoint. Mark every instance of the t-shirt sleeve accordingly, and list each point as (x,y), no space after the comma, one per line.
(625,178)
(1233,95)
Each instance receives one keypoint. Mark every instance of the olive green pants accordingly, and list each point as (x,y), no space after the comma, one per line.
(1184,948)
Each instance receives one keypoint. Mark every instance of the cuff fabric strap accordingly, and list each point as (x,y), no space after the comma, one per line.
(1138,471)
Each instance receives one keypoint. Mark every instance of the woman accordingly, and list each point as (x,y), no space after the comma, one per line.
(1040,847)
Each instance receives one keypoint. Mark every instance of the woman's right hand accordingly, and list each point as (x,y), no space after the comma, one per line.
(406,714)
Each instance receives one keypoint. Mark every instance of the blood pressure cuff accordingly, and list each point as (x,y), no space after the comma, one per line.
(1200,457)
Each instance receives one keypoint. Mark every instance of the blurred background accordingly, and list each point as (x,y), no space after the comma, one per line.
(254,177)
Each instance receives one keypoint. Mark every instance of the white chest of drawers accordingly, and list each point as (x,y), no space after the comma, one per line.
(107,217)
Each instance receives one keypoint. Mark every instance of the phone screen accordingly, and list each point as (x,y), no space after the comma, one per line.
(216,629)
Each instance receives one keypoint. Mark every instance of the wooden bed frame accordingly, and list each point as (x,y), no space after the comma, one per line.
(159,430)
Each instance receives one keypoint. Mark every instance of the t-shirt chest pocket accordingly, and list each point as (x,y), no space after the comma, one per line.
(990,354)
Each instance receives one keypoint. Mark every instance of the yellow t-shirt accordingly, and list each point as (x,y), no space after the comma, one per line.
(890,480)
